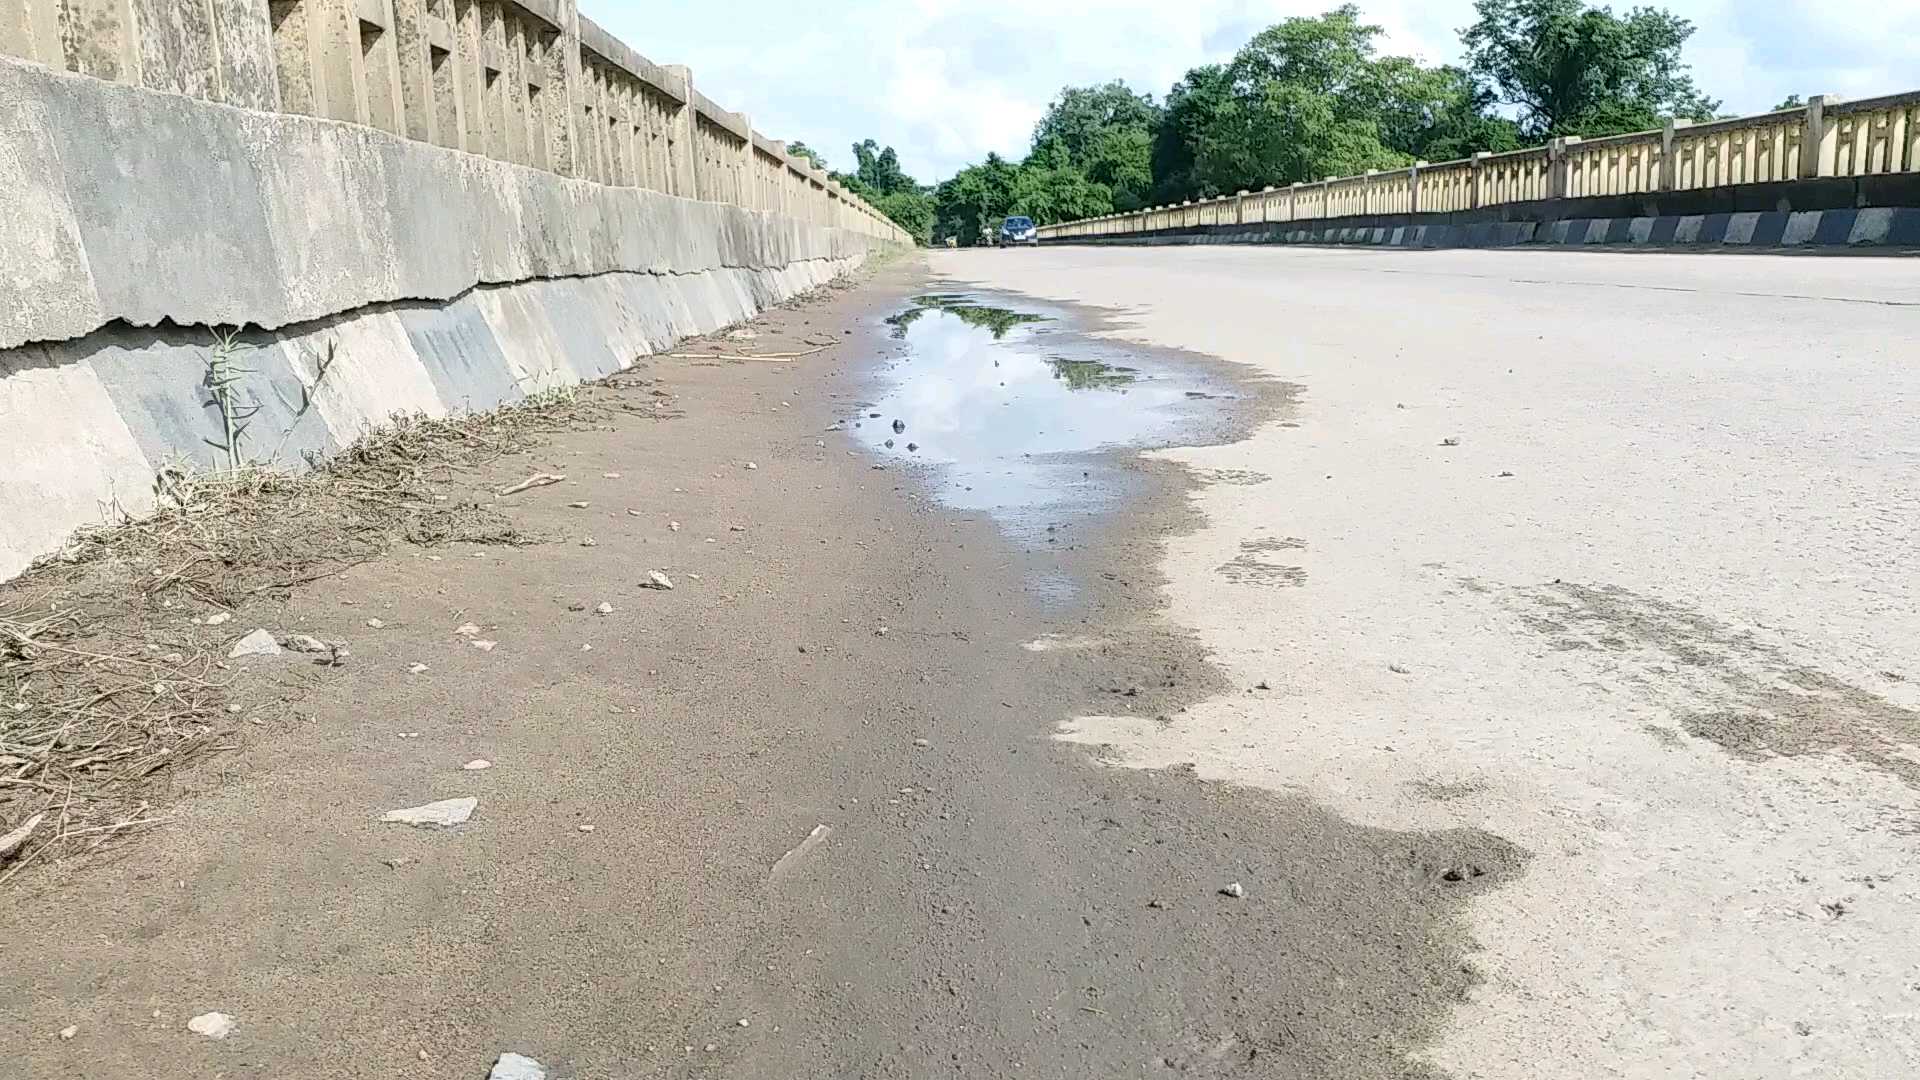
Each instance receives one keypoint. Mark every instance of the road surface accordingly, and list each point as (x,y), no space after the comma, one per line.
(1500,665)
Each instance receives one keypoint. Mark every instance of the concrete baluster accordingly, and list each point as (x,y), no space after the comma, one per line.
(1818,143)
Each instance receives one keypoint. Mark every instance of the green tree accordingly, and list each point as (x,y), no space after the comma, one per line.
(1793,101)
(796,148)
(1082,117)
(1194,105)
(1578,70)
(1121,159)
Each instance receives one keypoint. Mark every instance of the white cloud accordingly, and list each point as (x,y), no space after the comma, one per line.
(945,82)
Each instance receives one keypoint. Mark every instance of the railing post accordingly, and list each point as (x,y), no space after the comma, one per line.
(1557,168)
(1413,187)
(1816,142)
(1293,201)
(1240,207)
(682,146)
(1479,172)
(1670,164)
(1366,191)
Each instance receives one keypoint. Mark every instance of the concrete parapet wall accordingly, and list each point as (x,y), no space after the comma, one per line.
(369,274)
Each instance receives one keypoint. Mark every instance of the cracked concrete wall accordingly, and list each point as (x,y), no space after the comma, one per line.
(436,280)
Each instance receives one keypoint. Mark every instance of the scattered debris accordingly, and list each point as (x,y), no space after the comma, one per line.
(376,624)
(399,861)
(579,505)
(1449,441)
(814,839)
(588,541)
(1262,685)
(69,1031)
(416,668)
(1397,669)
(1504,473)
(631,512)
(736,528)
(536,480)
(750,465)
(673,526)
(1234,890)
(218,617)
(441,815)
(609,476)
(899,427)
(258,643)
(466,630)
(922,743)
(512,1066)
(304,643)
(604,608)
(214,1025)
(586,828)
(742,334)
(743,1022)
(1455,873)
(15,840)
(406,735)
(477,764)
(577,605)
(1156,904)
(912,446)
(482,645)
(657,580)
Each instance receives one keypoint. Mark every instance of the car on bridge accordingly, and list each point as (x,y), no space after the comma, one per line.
(1018,230)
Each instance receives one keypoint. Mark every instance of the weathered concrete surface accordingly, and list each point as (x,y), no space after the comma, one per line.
(97,415)
(1653,618)
(143,206)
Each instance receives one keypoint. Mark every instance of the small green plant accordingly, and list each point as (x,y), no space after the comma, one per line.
(223,382)
(322,367)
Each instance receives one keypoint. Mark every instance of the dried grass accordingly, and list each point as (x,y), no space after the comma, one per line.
(106,687)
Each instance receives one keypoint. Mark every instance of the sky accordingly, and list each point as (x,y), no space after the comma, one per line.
(945,82)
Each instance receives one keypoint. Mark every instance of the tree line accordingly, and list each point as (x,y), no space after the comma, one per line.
(1307,99)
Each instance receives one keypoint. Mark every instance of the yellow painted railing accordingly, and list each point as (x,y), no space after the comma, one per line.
(1827,138)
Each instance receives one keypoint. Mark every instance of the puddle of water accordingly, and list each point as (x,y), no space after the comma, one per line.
(1012,406)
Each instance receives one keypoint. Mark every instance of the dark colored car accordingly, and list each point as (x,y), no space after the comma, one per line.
(1018,230)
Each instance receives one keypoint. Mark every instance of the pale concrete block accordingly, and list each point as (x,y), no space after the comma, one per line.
(1740,228)
(71,460)
(1871,226)
(462,357)
(44,273)
(1688,229)
(372,375)
(326,189)
(533,352)
(1801,225)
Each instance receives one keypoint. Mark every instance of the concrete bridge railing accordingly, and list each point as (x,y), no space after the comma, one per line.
(525,81)
(381,207)
(1828,138)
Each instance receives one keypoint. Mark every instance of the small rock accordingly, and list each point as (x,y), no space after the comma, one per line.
(609,476)
(70,1031)
(516,1067)
(466,629)
(1397,669)
(912,446)
(588,541)
(1234,890)
(882,631)
(631,512)
(577,605)
(736,528)
(888,444)
(922,743)
(483,646)
(407,735)
(604,608)
(751,465)
(306,644)
(214,1025)
(217,618)
(376,624)
(657,580)
(415,669)
(579,505)
(1504,473)
(743,1022)
(742,334)
(434,815)
(258,643)
(673,526)
(477,764)
(399,861)
(711,1047)
(1449,442)
(1156,904)
(586,828)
